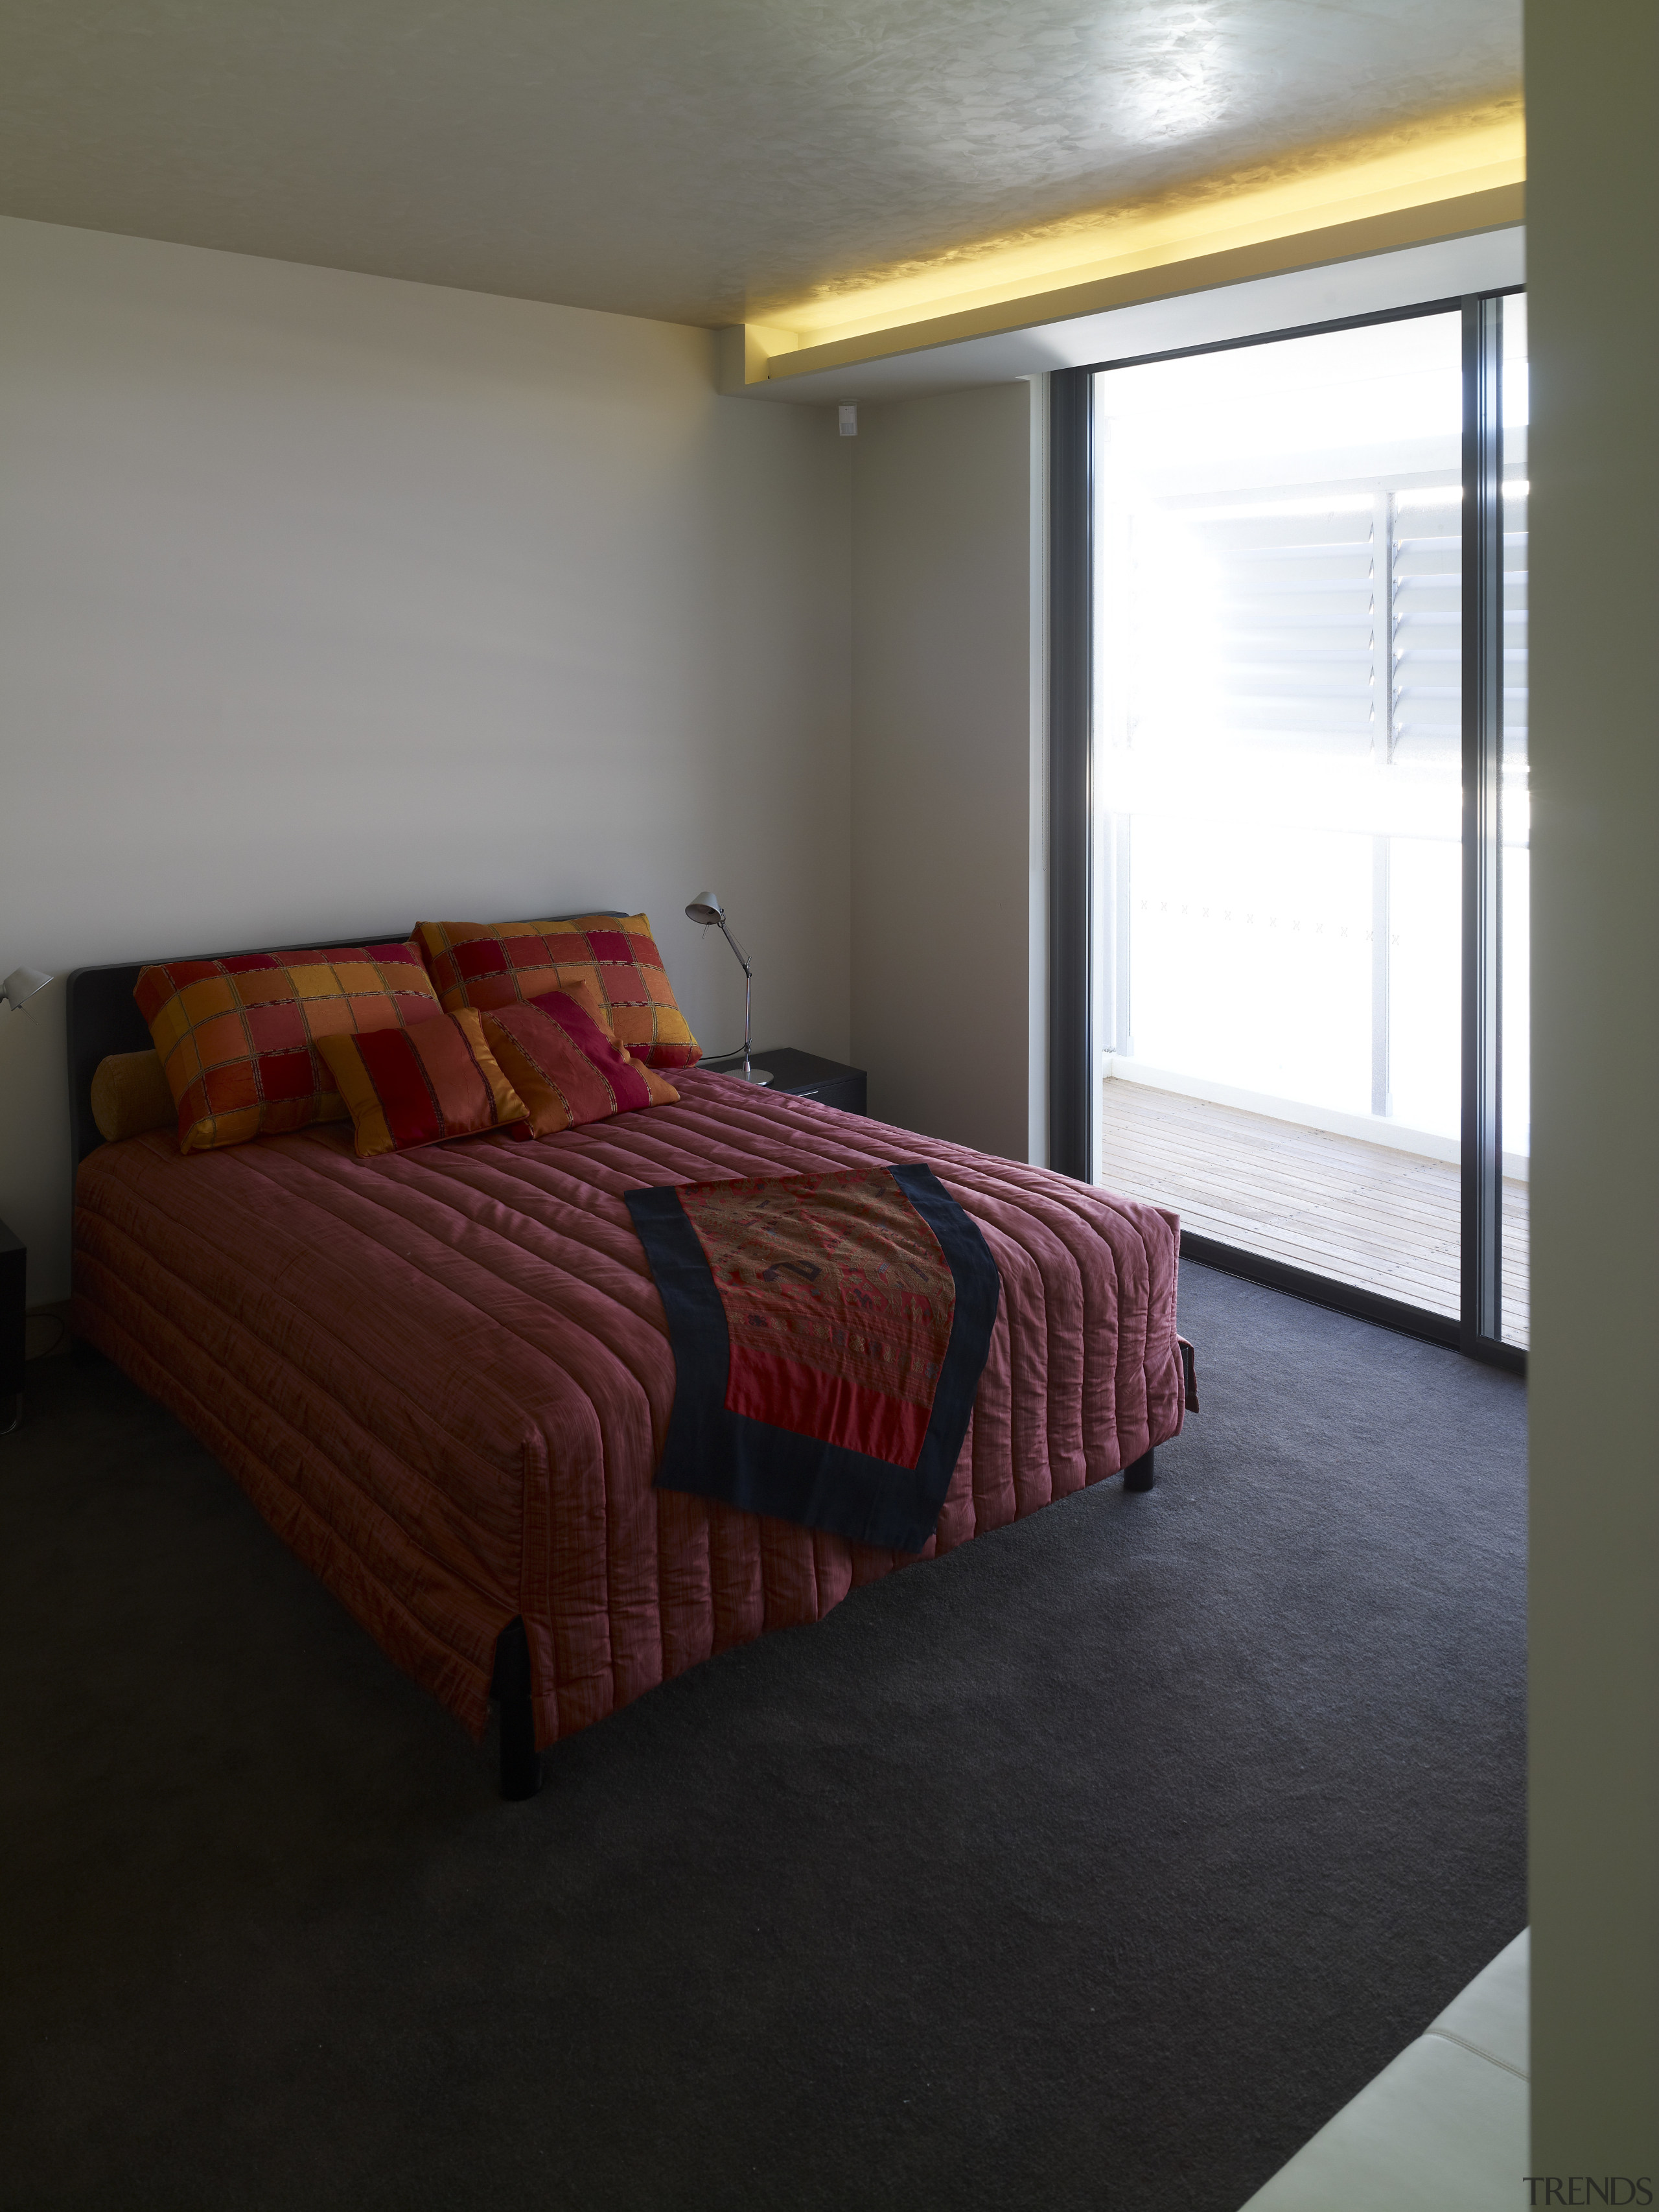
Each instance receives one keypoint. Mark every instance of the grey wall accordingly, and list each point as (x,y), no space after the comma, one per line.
(943,765)
(1594,311)
(329,602)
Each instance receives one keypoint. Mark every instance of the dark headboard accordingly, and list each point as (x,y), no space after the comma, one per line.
(103,1017)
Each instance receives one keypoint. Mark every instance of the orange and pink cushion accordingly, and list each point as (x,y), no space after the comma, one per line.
(238,1037)
(585,992)
(420,1085)
(495,964)
(564,1067)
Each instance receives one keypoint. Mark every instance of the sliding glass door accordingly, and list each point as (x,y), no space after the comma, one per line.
(1306,780)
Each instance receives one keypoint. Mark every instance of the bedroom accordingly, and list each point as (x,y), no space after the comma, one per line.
(300,557)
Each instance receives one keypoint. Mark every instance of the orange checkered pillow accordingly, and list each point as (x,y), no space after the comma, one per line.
(416,1086)
(238,1037)
(491,964)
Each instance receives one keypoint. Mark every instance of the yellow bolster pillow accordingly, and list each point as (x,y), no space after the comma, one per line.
(130,1094)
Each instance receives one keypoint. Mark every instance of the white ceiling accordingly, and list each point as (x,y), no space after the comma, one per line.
(704,161)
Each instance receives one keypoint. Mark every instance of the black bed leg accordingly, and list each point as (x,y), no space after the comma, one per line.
(521,1764)
(1140,1475)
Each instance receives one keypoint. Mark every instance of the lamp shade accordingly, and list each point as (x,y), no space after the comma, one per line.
(707,907)
(22,983)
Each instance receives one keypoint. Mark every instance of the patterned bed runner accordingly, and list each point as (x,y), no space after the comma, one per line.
(828,1335)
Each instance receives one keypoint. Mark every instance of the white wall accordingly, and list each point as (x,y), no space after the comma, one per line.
(944,980)
(1594,463)
(328,602)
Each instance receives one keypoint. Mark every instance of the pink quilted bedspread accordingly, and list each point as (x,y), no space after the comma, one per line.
(444,1375)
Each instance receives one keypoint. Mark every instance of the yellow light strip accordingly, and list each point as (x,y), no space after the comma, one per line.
(1460,157)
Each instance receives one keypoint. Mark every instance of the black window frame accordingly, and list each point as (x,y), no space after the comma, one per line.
(1072,1060)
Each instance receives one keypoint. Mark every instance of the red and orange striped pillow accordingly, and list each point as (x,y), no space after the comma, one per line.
(495,964)
(565,1068)
(238,1036)
(417,1086)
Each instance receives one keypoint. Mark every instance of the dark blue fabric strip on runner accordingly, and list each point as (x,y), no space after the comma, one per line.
(714,1453)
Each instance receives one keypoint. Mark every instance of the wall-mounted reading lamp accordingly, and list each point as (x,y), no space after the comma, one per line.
(707,909)
(22,983)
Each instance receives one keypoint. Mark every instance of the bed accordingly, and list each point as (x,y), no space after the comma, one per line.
(443,1376)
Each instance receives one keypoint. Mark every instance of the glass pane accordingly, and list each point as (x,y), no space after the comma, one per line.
(1278,763)
(1514,835)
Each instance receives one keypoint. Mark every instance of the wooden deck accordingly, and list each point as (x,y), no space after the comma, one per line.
(1358,1212)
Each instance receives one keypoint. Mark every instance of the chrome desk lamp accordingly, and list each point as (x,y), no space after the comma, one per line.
(22,983)
(707,909)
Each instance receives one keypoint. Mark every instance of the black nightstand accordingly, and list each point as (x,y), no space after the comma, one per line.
(804,1075)
(14,1266)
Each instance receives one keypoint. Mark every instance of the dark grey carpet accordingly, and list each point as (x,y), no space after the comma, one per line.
(1095,1866)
